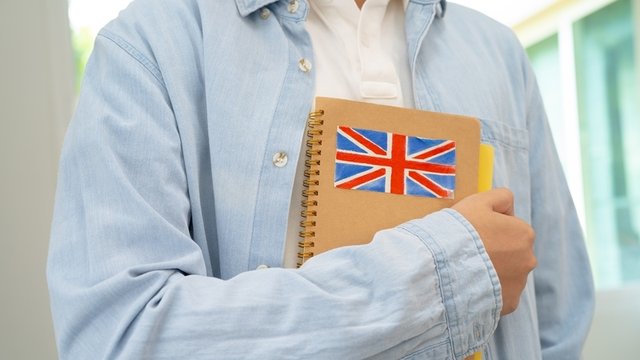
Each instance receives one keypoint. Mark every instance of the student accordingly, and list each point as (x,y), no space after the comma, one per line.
(177,176)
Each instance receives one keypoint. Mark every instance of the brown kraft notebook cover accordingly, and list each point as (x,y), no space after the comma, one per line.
(371,167)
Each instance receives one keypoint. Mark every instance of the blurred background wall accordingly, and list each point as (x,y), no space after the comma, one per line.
(36,97)
(584,52)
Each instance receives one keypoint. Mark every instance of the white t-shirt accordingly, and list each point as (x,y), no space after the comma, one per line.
(360,54)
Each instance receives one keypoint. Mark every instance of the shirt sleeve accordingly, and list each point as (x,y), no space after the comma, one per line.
(563,281)
(127,280)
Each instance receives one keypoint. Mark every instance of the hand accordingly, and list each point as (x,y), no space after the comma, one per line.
(507,239)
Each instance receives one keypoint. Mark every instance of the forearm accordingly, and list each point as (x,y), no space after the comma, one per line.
(399,295)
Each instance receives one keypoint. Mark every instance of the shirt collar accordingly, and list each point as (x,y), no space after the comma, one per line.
(246,7)
(441,9)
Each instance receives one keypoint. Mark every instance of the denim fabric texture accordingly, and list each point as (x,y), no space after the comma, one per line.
(168,200)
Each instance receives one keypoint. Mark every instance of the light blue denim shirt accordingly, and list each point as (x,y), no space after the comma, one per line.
(168,200)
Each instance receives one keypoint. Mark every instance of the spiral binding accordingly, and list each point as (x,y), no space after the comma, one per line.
(307,224)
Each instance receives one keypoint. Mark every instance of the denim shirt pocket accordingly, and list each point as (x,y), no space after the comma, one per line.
(511,162)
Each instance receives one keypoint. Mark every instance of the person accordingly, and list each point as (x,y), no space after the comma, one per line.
(170,232)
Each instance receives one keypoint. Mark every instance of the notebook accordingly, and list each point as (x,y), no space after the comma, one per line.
(370,167)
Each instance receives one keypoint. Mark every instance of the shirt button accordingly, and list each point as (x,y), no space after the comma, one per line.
(293,6)
(280,159)
(304,65)
(262,267)
(264,13)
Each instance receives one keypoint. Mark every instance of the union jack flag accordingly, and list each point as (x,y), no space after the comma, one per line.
(394,163)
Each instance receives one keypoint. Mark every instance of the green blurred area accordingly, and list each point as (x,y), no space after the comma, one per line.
(82,40)
(606,74)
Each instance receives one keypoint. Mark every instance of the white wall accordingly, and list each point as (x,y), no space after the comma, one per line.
(36,94)
(615,333)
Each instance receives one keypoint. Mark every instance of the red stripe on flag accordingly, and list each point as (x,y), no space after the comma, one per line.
(361,179)
(441,149)
(362,159)
(363,140)
(398,163)
(430,185)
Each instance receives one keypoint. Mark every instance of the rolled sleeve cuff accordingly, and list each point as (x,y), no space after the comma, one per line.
(469,284)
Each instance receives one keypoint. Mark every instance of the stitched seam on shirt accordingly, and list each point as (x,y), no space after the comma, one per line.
(504,134)
(493,276)
(427,84)
(441,264)
(266,157)
(427,27)
(505,144)
(295,19)
(418,231)
(425,350)
(134,53)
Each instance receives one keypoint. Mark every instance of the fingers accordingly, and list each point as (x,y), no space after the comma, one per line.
(502,200)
